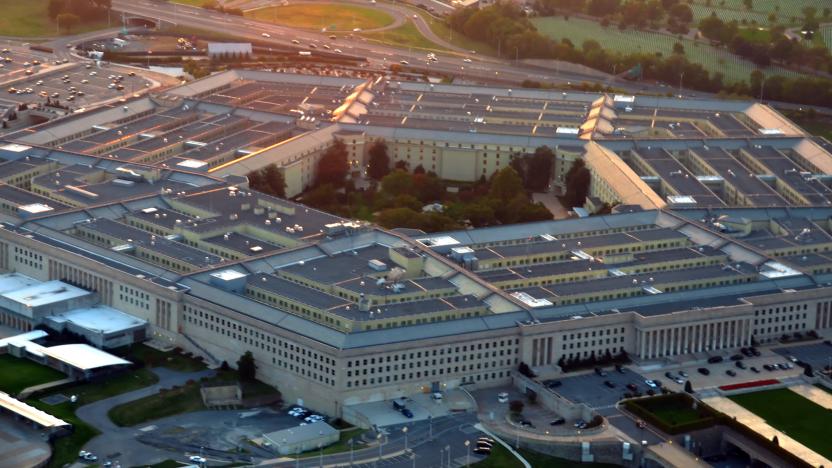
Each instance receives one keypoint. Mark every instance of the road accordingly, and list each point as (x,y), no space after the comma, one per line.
(449,434)
(378,56)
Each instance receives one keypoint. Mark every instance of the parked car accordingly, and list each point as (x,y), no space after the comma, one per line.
(715,359)
(683,374)
(558,422)
(737,357)
(704,371)
(731,372)
(754,370)
(502,397)
(609,384)
(740,365)
(632,387)
(407,413)
(600,372)
(650,383)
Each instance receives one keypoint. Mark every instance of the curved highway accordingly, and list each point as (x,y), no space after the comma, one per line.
(378,56)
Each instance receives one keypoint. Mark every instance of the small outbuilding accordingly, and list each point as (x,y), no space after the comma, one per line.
(302,438)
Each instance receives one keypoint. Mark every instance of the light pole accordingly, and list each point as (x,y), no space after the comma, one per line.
(413,458)
(321,455)
(379,438)
(467,452)
(681,77)
(404,430)
(449,455)
(430,427)
(352,442)
(297,458)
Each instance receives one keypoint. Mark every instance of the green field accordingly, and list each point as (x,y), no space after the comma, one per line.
(29,19)
(334,17)
(179,400)
(819,125)
(734,9)
(629,41)
(66,448)
(793,414)
(151,357)
(405,35)
(17,374)
(197,3)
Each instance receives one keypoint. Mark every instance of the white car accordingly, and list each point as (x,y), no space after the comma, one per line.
(356,30)
(404,62)
(90,457)
(502,397)
(197,459)
(650,383)
(466,60)
(266,35)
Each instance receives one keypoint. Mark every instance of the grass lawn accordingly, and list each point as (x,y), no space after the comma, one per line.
(404,36)
(712,58)
(760,35)
(196,3)
(65,449)
(502,458)
(334,17)
(180,400)
(29,19)
(793,414)
(818,125)
(341,446)
(172,360)
(787,11)
(17,374)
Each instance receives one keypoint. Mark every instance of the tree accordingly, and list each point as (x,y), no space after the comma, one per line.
(775,440)
(516,406)
(688,387)
(379,160)
(578,179)
(67,21)
(333,165)
(678,48)
(396,183)
(268,180)
(246,367)
(505,184)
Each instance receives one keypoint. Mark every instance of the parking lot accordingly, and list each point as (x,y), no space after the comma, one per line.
(79,86)
(818,355)
(14,61)
(718,371)
(590,389)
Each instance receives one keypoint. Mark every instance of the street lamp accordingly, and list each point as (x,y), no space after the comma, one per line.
(467,452)
(321,455)
(404,430)
(448,448)
(413,458)
(351,442)
(379,437)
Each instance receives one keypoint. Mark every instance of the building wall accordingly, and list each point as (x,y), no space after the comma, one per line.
(327,378)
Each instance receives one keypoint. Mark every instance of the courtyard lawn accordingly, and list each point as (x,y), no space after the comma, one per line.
(17,374)
(404,36)
(334,17)
(819,125)
(29,19)
(793,414)
(168,403)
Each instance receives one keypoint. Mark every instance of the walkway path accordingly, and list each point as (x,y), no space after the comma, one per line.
(122,440)
(760,426)
(814,394)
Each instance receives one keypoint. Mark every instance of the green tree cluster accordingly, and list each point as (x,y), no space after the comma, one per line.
(268,180)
